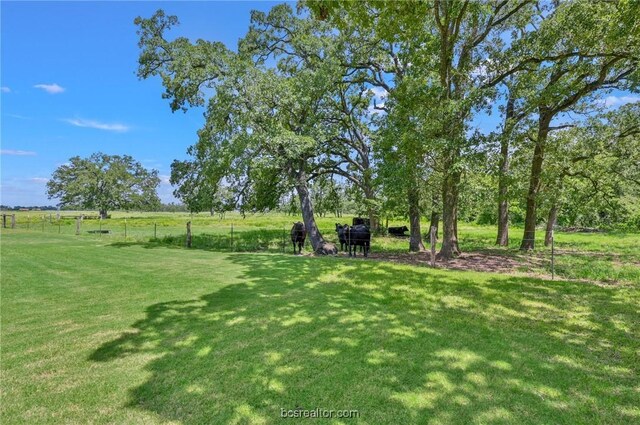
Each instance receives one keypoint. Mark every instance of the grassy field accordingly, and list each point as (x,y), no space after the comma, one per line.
(611,257)
(97,330)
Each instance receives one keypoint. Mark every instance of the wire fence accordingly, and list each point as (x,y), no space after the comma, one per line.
(580,256)
(226,237)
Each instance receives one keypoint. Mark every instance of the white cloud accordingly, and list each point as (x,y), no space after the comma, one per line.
(480,71)
(374,111)
(50,88)
(164,179)
(378,92)
(19,117)
(38,179)
(4,89)
(611,101)
(120,128)
(16,152)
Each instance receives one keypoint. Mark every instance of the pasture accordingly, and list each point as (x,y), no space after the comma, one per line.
(612,257)
(98,329)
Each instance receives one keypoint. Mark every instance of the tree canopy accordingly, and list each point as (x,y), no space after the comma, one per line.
(104,182)
(382,95)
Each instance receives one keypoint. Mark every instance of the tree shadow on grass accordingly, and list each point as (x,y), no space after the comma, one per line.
(259,240)
(256,240)
(399,345)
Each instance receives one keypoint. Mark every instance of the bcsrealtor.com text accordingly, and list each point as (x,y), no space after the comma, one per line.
(319,413)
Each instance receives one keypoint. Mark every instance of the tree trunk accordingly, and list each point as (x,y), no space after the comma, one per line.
(415,239)
(450,188)
(103,214)
(435,215)
(319,245)
(435,220)
(374,221)
(528,239)
(370,197)
(503,186)
(503,219)
(551,222)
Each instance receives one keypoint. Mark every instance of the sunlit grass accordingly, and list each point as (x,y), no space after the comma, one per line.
(97,332)
(603,257)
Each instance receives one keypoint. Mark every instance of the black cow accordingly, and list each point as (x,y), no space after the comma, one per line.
(340,228)
(298,235)
(341,236)
(359,220)
(358,235)
(397,231)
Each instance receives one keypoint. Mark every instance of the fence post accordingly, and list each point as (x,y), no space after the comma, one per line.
(553,272)
(125,228)
(4,221)
(434,230)
(100,227)
(155,230)
(188,234)
(13,221)
(77,226)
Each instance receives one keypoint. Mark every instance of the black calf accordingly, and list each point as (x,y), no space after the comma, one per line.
(397,231)
(298,235)
(358,235)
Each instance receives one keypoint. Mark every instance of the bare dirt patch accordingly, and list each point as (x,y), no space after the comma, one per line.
(480,261)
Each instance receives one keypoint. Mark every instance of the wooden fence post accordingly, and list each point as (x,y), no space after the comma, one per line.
(4,221)
(553,271)
(434,230)
(188,234)
(155,230)
(13,221)
(78,226)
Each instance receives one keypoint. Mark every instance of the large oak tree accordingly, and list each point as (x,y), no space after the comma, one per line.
(104,182)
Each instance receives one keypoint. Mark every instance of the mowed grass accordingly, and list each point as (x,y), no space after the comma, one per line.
(97,332)
(609,257)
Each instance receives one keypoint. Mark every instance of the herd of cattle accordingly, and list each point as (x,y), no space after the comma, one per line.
(356,235)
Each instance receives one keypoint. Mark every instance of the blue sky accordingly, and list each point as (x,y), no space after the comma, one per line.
(69,87)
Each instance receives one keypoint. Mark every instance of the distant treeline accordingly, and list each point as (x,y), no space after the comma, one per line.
(170,207)
(30,208)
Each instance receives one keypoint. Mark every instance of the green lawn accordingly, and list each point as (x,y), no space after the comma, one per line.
(604,257)
(97,331)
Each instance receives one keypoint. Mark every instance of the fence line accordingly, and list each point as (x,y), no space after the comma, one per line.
(569,259)
(227,237)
